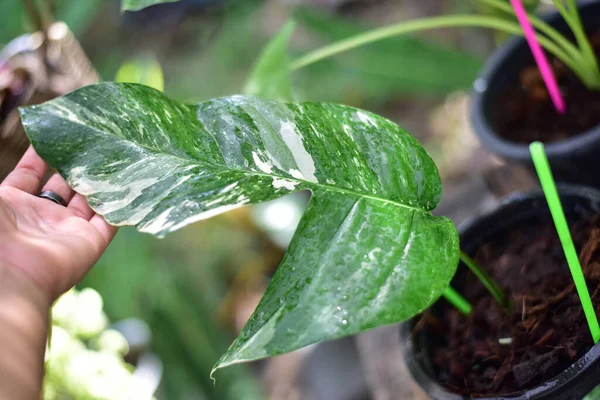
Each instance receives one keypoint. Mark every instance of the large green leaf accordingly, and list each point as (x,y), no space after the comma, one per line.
(367,251)
(270,77)
(136,5)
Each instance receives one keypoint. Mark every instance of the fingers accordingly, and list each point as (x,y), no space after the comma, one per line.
(79,206)
(28,174)
(106,230)
(58,185)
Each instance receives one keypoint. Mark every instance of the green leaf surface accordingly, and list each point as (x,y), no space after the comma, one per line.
(367,251)
(136,5)
(270,77)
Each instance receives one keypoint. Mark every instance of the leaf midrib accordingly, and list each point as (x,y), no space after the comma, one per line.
(244,171)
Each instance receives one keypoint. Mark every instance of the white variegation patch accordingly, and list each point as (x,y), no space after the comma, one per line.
(229,187)
(293,141)
(279,183)
(366,119)
(265,167)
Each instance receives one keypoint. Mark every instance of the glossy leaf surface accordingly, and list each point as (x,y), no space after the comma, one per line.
(367,251)
(270,78)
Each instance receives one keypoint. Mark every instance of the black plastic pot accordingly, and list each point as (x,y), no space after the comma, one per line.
(573,160)
(518,209)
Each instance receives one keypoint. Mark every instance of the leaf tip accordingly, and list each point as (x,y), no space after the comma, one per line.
(222,363)
(212,372)
(228,359)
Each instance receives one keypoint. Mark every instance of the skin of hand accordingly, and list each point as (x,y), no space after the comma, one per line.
(45,249)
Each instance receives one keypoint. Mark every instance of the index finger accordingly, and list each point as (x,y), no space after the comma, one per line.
(28,174)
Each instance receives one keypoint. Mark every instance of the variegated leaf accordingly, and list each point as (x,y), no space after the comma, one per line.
(367,251)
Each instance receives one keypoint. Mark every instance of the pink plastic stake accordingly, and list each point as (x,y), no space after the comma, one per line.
(540,57)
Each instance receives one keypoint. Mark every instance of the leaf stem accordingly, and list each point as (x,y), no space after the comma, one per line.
(457,301)
(447,21)
(585,47)
(494,289)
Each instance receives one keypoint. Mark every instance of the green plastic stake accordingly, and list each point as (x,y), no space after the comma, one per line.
(543,170)
(457,301)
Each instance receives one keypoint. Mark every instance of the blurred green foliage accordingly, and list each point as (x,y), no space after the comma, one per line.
(221,67)
(271,76)
(176,285)
(402,65)
(145,70)
(77,14)
(135,5)
(530,5)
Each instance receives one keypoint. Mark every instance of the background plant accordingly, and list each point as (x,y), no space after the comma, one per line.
(580,58)
(84,359)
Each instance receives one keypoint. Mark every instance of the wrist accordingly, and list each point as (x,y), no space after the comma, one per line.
(17,285)
(24,319)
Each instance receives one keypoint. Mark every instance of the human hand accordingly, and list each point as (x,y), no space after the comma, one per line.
(53,245)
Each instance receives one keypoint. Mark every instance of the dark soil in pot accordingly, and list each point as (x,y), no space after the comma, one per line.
(525,112)
(543,348)
(510,107)
(546,329)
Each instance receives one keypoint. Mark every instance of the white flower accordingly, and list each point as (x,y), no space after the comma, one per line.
(111,341)
(80,313)
(76,372)
(99,376)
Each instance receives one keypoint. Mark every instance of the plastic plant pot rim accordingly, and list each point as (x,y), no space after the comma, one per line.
(581,143)
(561,382)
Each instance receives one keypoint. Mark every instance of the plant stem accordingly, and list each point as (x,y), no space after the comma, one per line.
(434,23)
(571,16)
(495,290)
(541,26)
(582,39)
(584,54)
(563,11)
(457,301)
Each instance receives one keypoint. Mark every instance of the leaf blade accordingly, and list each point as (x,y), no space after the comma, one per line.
(334,299)
(143,159)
